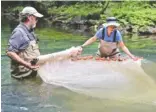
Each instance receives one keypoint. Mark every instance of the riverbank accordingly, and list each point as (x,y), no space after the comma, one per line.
(84,17)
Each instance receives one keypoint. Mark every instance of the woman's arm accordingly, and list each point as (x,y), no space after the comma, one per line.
(89,41)
(125,49)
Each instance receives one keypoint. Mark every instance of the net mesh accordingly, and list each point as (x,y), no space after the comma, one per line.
(107,79)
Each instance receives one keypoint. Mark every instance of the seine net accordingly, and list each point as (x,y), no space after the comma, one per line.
(106,79)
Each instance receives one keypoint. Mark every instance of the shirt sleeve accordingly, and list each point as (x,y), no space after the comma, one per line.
(17,42)
(99,33)
(118,36)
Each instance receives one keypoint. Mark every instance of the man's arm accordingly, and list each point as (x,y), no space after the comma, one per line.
(89,41)
(15,57)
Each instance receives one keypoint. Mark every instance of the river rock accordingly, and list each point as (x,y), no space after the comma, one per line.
(147,30)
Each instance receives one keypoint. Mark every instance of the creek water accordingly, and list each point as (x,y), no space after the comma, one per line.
(34,95)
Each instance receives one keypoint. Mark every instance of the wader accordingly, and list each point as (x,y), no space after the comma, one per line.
(32,51)
(108,49)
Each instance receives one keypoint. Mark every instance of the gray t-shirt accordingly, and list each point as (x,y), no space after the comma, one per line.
(20,38)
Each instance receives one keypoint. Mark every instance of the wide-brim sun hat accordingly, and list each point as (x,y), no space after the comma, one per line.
(31,11)
(111,21)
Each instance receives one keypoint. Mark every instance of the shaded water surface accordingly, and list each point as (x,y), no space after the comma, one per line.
(34,95)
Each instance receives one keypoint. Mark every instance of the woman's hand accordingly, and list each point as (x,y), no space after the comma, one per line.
(76,51)
(135,58)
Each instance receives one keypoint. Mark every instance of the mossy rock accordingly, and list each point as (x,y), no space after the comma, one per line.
(135,29)
(147,30)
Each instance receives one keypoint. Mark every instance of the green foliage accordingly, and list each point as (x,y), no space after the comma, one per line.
(79,9)
(103,17)
(18,8)
(46,4)
(135,13)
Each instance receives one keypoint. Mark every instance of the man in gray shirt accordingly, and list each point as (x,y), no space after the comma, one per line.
(23,45)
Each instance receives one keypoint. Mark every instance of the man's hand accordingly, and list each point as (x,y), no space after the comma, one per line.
(32,67)
(16,57)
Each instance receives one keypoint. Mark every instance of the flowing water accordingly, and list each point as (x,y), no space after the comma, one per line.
(125,87)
